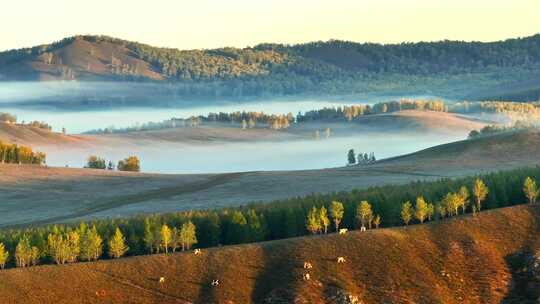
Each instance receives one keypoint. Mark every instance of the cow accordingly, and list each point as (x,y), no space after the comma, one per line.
(307,265)
(197,251)
(343,230)
(306,277)
(215,283)
(340,260)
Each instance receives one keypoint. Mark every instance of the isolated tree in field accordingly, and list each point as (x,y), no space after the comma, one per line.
(530,189)
(464,198)
(363,213)
(421,209)
(131,163)
(377,221)
(407,212)
(4,255)
(188,235)
(480,192)
(166,236)
(351,158)
(117,245)
(313,223)
(325,221)
(336,212)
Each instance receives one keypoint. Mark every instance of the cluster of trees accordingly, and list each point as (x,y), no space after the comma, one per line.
(12,119)
(61,245)
(8,118)
(496,129)
(314,213)
(362,159)
(131,163)
(351,112)
(15,154)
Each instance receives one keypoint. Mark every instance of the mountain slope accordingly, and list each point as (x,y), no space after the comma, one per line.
(333,67)
(463,260)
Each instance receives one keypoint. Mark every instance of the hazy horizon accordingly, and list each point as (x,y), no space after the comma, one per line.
(239,23)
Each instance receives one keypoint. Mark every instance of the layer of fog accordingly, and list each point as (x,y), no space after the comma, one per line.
(232,157)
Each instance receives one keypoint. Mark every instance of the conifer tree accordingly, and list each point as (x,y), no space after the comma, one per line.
(117,245)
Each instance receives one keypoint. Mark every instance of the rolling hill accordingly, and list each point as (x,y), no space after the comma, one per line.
(65,194)
(446,68)
(487,258)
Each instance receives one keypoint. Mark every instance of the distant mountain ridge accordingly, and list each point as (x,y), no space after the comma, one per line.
(332,67)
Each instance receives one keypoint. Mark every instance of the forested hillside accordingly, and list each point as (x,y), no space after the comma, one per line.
(333,67)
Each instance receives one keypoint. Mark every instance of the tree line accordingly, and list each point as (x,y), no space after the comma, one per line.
(383,206)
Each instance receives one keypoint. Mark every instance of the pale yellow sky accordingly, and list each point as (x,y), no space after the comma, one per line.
(188,24)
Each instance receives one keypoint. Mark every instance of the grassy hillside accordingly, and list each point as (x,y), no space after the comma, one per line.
(463,260)
(97,193)
(448,68)
(28,135)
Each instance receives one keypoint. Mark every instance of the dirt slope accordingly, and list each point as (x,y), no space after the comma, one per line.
(463,260)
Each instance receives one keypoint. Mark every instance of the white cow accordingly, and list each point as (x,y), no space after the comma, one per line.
(307,265)
(161,280)
(340,260)
(306,277)
(197,251)
(363,228)
(215,283)
(343,230)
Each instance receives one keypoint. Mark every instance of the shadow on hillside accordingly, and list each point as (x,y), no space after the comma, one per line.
(523,288)
(281,268)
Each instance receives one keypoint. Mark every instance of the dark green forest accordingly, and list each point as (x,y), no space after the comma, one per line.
(447,68)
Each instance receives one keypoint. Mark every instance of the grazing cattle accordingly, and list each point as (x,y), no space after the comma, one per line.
(306,277)
(363,228)
(340,260)
(307,265)
(215,283)
(343,230)
(197,251)
(161,280)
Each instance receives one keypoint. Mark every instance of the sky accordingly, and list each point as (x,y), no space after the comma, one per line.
(191,24)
